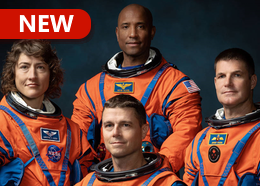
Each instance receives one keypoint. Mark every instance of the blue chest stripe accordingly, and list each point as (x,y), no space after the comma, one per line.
(154,175)
(92,179)
(36,152)
(101,87)
(152,84)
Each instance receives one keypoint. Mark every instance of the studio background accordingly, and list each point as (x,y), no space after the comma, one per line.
(189,34)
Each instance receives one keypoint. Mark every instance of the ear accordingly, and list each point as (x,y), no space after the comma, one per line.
(215,79)
(253,81)
(117,33)
(145,128)
(153,32)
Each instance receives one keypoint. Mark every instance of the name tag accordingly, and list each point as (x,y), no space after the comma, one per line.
(50,135)
(217,139)
(124,87)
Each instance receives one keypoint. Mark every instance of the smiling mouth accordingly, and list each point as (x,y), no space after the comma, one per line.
(32,85)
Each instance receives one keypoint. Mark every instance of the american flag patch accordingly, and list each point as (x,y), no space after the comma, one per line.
(191,86)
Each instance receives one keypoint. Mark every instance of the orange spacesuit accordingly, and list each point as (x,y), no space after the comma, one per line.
(44,147)
(156,172)
(164,91)
(225,153)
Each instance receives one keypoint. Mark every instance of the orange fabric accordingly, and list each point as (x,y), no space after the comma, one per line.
(166,178)
(184,114)
(33,174)
(247,161)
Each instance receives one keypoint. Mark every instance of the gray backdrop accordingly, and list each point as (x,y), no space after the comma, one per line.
(189,34)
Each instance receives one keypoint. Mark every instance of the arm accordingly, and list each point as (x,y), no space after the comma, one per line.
(184,113)
(83,110)
(191,170)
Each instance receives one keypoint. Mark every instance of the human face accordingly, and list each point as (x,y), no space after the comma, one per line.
(233,84)
(134,32)
(122,132)
(31,77)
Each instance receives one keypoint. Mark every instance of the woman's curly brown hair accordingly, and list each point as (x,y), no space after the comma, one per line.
(38,49)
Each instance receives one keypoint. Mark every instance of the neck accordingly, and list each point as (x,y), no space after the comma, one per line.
(134,60)
(35,103)
(129,162)
(239,111)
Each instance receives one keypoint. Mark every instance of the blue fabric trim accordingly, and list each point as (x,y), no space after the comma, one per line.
(150,87)
(258,169)
(154,175)
(86,90)
(191,155)
(8,146)
(200,158)
(29,161)
(167,97)
(191,174)
(101,87)
(92,179)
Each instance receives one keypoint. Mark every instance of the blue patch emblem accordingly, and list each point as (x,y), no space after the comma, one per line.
(124,87)
(54,153)
(217,139)
(50,135)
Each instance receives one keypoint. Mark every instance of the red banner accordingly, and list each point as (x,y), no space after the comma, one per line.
(44,24)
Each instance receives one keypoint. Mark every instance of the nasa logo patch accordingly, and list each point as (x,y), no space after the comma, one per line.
(54,153)
(214,154)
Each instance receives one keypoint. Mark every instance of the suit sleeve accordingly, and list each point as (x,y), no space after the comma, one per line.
(190,170)
(184,113)
(7,150)
(83,110)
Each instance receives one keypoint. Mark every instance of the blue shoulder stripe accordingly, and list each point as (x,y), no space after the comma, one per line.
(164,106)
(86,90)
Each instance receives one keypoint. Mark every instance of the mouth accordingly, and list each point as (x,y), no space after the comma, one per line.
(32,85)
(134,43)
(117,143)
(229,92)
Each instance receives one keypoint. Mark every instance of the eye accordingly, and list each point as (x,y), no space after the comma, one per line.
(41,67)
(220,76)
(24,67)
(125,26)
(140,26)
(126,125)
(237,75)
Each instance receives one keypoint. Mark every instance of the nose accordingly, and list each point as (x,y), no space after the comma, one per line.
(116,131)
(228,81)
(133,32)
(32,74)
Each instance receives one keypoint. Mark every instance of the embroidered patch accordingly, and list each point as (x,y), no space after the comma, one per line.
(54,153)
(50,135)
(191,86)
(217,139)
(214,154)
(124,87)
(147,146)
(101,151)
